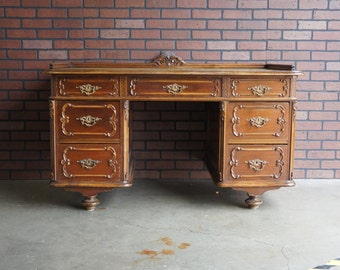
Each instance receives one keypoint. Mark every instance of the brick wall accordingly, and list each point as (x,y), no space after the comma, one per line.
(33,33)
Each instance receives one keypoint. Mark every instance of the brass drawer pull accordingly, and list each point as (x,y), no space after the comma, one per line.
(175,88)
(88,120)
(258,121)
(88,89)
(257,164)
(88,163)
(259,90)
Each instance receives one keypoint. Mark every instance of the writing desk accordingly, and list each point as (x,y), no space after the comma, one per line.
(251,114)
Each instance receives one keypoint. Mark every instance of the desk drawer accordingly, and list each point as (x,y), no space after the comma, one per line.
(258,121)
(168,87)
(86,86)
(86,162)
(87,120)
(259,88)
(258,162)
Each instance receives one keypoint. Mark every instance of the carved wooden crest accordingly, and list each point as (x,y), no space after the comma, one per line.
(168,59)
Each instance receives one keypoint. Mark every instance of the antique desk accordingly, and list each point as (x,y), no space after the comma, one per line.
(251,113)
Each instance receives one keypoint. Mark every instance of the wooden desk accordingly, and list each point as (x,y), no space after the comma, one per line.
(251,113)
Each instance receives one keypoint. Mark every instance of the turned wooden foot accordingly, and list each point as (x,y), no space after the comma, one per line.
(90,202)
(254,201)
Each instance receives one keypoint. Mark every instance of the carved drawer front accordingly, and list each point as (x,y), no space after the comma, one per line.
(259,121)
(259,88)
(89,86)
(260,162)
(86,162)
(89,121)
(171,87)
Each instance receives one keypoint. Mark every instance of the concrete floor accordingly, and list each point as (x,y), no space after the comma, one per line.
(169,225)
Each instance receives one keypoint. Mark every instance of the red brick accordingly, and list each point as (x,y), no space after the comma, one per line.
(176,34)
(313,4)
(323,95)
(206,34)
(326,14)
(281,45)
(35,3)
(99,23)
(114,13)
(85,33)
(298,14)
(309,125)
(321,154)
(192,3)
(9,23)
(313,25)
(20,54)
(333,25)
(128,4)
(307,164)
(221,24)
(265,14)
(329,76)
(266,55)
(98,44)
(20,12)
(282,24)
(145,13)
(296,55)
(129,44)
(321,135)
(83,13)
(326,35)
(191,45)
(36,23)
(251,45)
(191,24)
(297,35)
(52,13)
(237,14)
(18,33)
(267,35)
(331,145)
(221,4)
(9,3)
(53,55)
(251,24)
(311,45)
(130,23)
(252,4)
(206,55)
(236,56)
(333,65)
(221,45)
(114,34)
(176,13)
(283,4)
(99,3)
(68,23)
(176,174)
(63,3)
(48,34)
(37,44)
(235,35)
(68,44)
(201,14)
(160,3)
(332,86)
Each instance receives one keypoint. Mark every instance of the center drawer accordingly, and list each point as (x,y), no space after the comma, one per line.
(179,87)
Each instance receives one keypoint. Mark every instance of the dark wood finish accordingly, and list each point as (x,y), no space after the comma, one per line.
(251,114)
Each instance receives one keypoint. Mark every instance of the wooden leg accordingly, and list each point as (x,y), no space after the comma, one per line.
(254,195)
(90,202)
(90,196)
(254,201)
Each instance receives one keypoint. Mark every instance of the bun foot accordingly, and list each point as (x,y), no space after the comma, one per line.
(254,201)
(90,202)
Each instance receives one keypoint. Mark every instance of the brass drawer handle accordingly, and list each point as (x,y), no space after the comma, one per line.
(257,164)
(259,90)
(88,89)
(88,163)
(175,88)
(258,121)
(88,120)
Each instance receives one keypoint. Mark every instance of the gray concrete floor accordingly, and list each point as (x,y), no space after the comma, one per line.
(169,225)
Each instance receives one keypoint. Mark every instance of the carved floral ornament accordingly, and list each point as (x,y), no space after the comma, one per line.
(168,58)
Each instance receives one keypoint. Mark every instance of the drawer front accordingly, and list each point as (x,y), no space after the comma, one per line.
(89,86)
(170,87)
(258,162)
(89,121)
(261,88)
(258,121)
(79,162)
